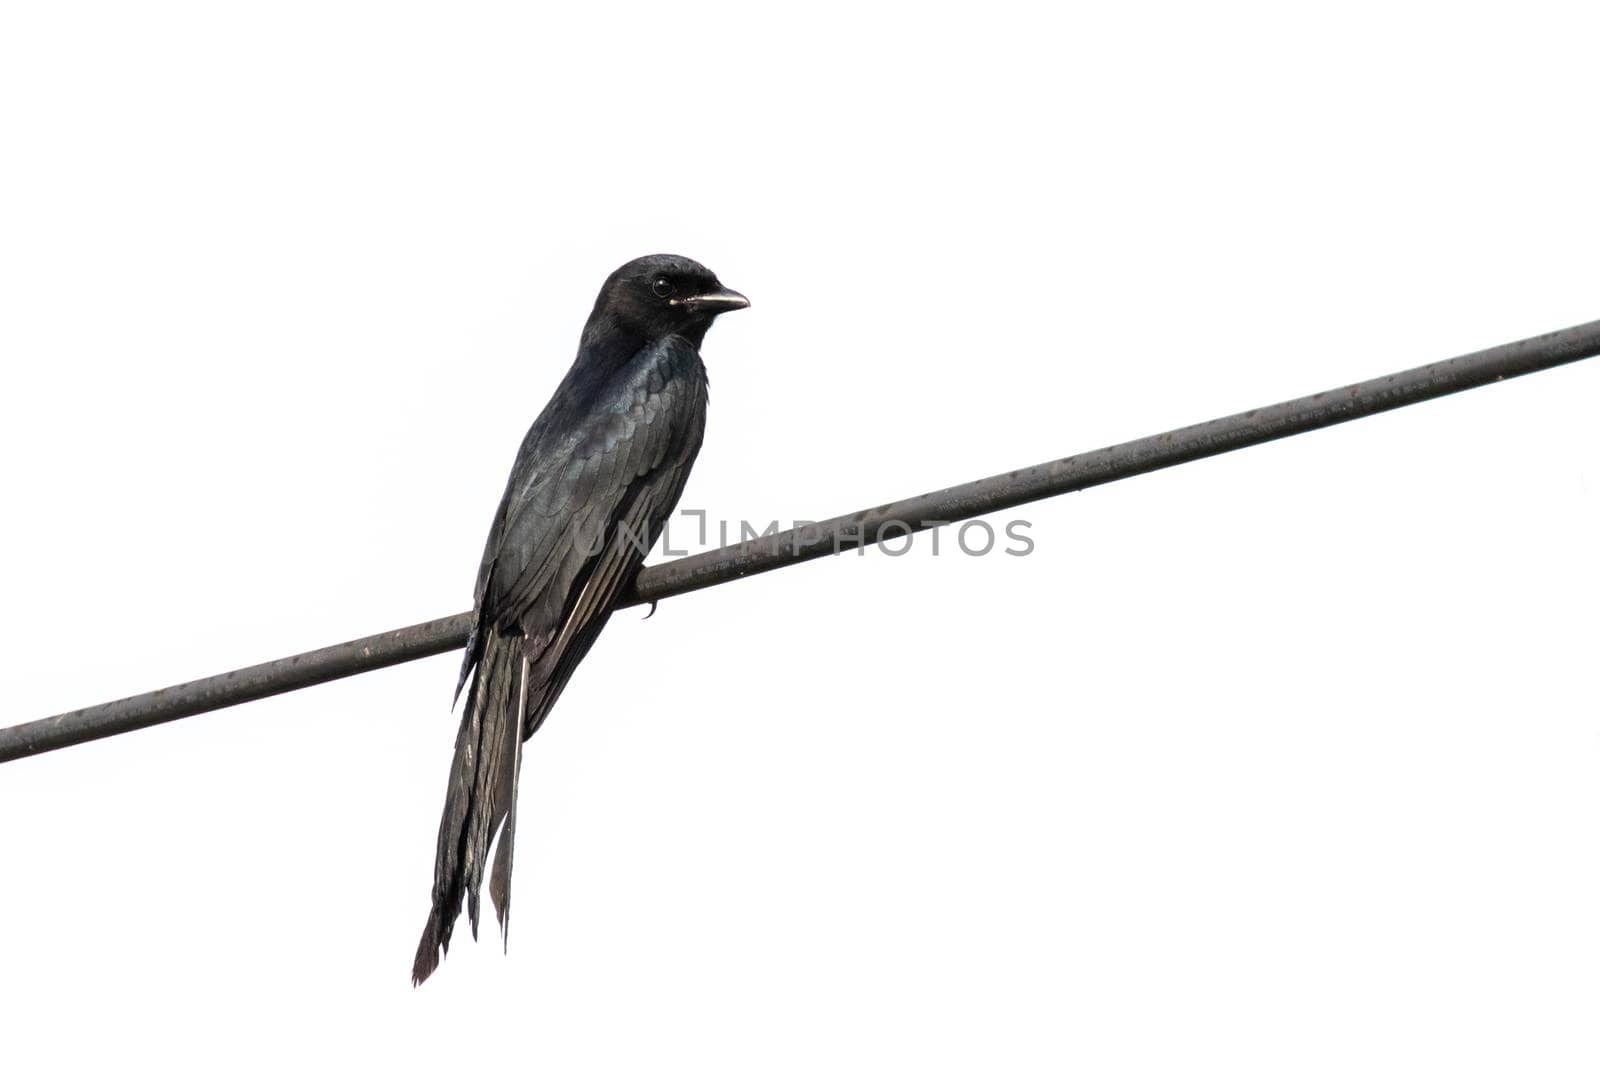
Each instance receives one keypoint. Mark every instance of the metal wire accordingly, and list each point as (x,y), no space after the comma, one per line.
(845,533)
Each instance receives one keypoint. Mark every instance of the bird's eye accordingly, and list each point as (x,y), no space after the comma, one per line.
(663,288)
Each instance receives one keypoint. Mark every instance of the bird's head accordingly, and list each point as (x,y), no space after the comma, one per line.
(659,295)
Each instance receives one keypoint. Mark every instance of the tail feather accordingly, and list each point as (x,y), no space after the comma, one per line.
(482,790)
(500,879)
(492,787)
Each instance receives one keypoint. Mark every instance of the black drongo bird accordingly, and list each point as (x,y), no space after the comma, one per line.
(597,475)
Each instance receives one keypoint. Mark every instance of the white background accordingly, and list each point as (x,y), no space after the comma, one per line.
(1288,756)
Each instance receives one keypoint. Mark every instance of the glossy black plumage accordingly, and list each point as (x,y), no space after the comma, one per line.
(596,477)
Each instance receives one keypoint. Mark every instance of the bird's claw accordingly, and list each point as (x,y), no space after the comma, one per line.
(652,611)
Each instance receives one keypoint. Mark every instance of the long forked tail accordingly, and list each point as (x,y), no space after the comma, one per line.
(481,794)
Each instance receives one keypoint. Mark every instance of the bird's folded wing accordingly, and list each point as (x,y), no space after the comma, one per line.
(614,567)
(589,507)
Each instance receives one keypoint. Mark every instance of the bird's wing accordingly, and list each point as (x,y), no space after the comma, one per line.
(590,506)
(635,527)
(580,513)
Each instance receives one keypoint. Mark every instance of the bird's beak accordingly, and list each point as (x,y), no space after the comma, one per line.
(722,300)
